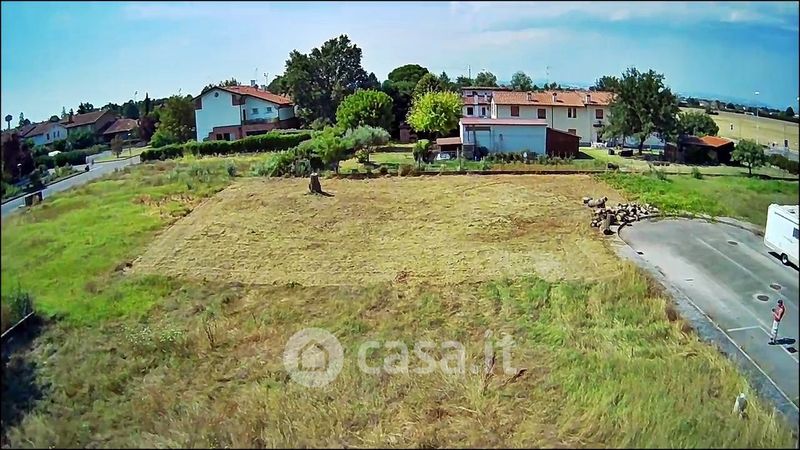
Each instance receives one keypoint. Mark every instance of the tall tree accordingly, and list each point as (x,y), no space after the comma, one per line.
(85,107)
(696,123)
(147,104)
(9,118)
(462,81)
(487,79)
(113,107)
(428,83)
(750,153)
(435,112)
(372,82)
(147,126)
(277,85)
(63,112)
(177,119)
(789,112)
(318,81)
(446,83)
(409,72)
(365,107)
(605,83)
(23,121)
(17,157)
(642,106)
(521,82)
(129,110)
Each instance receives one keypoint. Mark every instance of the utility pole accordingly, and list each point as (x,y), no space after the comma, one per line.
(469,71)
(756,117)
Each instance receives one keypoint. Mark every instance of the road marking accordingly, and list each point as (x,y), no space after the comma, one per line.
(769,335)
(743,328)
(749,272)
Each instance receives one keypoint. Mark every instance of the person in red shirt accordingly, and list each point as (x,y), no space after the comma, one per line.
(777,315)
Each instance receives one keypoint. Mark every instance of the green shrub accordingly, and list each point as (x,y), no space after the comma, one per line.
(362,156)
(659,173)
(784,163)
(230,167)
(696,173)
(161,138)
(44,160)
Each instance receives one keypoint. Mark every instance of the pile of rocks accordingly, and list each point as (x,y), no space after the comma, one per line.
(603,217)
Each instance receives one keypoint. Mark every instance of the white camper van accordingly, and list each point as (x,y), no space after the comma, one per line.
(782,232)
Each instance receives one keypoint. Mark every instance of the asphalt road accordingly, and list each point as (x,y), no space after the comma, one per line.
(726,272)
(95,171)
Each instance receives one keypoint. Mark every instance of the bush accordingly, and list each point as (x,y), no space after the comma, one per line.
(166,152)
(270,142)
(784,163)
(161,138)
(47,161)
(362,156)
(659,173)
(405,170)
(383,170)
(81,139)
(696,173)
(230,167)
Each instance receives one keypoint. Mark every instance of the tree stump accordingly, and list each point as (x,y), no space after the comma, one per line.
(606,226)
(313,185)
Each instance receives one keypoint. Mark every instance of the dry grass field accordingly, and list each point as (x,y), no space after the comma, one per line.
(441,230)
(766,129)
(184,347)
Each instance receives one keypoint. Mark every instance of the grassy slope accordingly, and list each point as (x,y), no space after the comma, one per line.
(741,197)
(608,362)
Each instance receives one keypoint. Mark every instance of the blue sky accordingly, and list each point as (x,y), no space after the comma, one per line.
(60,54)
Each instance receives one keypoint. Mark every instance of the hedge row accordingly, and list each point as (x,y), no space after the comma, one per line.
(270,142)
(785,163)
(74,157)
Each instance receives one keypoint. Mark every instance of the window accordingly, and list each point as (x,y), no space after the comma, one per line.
(483,111)
(216,94)
(598,114)
(269,109)
(541,113)
(796,233)
(255,110)
(572,131)
(227,136)
(572,113)
(219,136)
(474,93)
(470,111)
(515,111)
(48,136)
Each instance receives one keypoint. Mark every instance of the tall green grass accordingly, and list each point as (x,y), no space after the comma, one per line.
(741,197)
(69,252)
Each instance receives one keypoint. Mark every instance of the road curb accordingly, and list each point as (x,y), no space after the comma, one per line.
(711,333)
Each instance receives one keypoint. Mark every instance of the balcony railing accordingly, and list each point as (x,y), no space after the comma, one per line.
(259,121)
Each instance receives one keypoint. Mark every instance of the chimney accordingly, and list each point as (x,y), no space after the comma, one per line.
(529,96)
(263,87)
(253,83)
(588,98)
(554,96)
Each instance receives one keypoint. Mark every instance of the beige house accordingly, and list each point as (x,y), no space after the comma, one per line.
(581,113)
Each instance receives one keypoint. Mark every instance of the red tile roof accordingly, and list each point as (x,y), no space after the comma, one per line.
(39,129)
(506,121)
(258,93)
(122,125)
(545,98)
(706,141)
(84,119)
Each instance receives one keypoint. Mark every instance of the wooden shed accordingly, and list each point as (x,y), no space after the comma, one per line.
(562,144)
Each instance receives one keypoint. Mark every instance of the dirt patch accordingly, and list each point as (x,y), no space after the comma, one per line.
(438,230)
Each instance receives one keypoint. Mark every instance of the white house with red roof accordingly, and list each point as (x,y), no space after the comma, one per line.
(233,112)
(45,133)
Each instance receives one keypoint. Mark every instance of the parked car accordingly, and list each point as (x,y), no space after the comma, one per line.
(442,156)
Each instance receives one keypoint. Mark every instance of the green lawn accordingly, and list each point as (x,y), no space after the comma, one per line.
(734,196)
(126,153)
(635,164)
(72,244)
(392,160)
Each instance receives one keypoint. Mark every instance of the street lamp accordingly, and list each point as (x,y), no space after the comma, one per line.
(756,117)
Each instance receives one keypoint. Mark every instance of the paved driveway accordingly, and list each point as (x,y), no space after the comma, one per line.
(728,273)
(96,171)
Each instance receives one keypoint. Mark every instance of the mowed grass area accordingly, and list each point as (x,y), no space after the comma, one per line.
(635,164)
(199,361)
(749,127)
(736,196)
